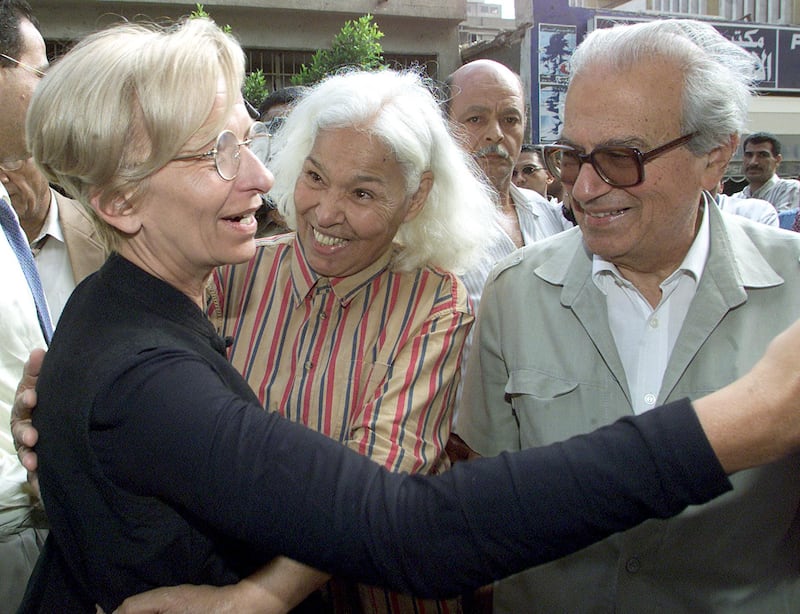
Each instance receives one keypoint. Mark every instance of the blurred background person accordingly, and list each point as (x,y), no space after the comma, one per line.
(25,321)
(273,111)
(760,160)
(755,209)
(62,235)
(529,171)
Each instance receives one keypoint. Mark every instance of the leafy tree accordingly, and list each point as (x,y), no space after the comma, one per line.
(255,84)
(255,88)
(356,44)
(200,13)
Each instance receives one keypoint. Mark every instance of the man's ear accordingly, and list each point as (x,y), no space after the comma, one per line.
(419,197)
(717,162)
(117,213)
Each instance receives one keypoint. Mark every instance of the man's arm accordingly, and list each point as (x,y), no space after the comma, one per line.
(486,421)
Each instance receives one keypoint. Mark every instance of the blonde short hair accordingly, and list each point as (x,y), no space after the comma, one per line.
(124,101)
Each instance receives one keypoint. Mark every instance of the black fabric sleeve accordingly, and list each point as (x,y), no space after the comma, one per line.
(170,428)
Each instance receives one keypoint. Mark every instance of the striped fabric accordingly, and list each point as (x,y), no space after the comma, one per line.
(371,359)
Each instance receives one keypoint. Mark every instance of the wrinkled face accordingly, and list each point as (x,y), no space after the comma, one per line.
(190,220)
(29,192)
(529,173)
(649,227)
(350,200)
(760,163)
(488,104)
(17,84)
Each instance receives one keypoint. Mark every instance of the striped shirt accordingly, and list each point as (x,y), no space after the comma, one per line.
(370,359)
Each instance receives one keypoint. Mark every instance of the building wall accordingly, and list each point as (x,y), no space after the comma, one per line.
(411,27)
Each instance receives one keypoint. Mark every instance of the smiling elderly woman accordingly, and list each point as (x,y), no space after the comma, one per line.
(159,467)
(354,326)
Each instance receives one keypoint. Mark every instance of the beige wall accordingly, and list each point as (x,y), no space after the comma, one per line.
(419,27)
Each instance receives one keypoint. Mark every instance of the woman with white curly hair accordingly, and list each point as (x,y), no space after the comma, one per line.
(354,324)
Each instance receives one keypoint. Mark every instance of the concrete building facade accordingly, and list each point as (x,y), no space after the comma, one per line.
(280,35)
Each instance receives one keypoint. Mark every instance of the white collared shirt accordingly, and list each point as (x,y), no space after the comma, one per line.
(754,209)
(53,263)
(645,336)
(19,334)
(784,194)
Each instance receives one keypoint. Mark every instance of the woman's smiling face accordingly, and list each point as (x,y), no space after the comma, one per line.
(351,198)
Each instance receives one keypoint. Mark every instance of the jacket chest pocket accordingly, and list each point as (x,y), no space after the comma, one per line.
(550,409)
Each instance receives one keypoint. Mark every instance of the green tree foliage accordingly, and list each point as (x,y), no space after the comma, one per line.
(255,84)
(255,88)
(356,44)
(200,13)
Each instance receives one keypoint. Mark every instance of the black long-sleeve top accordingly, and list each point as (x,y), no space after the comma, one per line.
(158,467)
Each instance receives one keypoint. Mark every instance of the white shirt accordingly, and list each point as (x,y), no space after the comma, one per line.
(19,334)
(752,208)
(538,219)
(645,336)
(784,194)
(53,263)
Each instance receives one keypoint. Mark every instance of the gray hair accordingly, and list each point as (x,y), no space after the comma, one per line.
(718,74)
(459,216)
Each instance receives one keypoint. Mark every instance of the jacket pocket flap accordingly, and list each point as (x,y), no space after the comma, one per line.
(538,385)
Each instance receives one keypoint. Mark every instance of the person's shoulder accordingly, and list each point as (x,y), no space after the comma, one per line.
(767,239)
(530,200)
(557,248)
(442,290)
(71,212)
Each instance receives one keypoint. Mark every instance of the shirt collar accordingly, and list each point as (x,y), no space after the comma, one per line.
(520,198)
(604,272)
(304,279)
(51,227)
(764,188)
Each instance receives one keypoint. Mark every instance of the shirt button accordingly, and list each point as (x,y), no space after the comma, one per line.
(308,365)
(323,316)
(653,322)
(633,565)
(650,398)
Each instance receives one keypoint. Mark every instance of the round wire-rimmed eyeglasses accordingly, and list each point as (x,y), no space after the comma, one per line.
(226,152)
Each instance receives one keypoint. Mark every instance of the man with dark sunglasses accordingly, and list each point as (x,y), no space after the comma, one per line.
(657,295)
(529,171)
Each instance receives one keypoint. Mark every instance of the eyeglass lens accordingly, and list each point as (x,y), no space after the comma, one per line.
(226,155)
(11,165)
(618,166)
(260,140)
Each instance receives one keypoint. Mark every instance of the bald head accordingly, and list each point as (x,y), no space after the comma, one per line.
(488,105)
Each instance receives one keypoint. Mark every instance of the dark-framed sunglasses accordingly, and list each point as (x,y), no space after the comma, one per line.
(618,165)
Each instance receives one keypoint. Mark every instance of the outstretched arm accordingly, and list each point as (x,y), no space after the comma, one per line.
(756,419)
